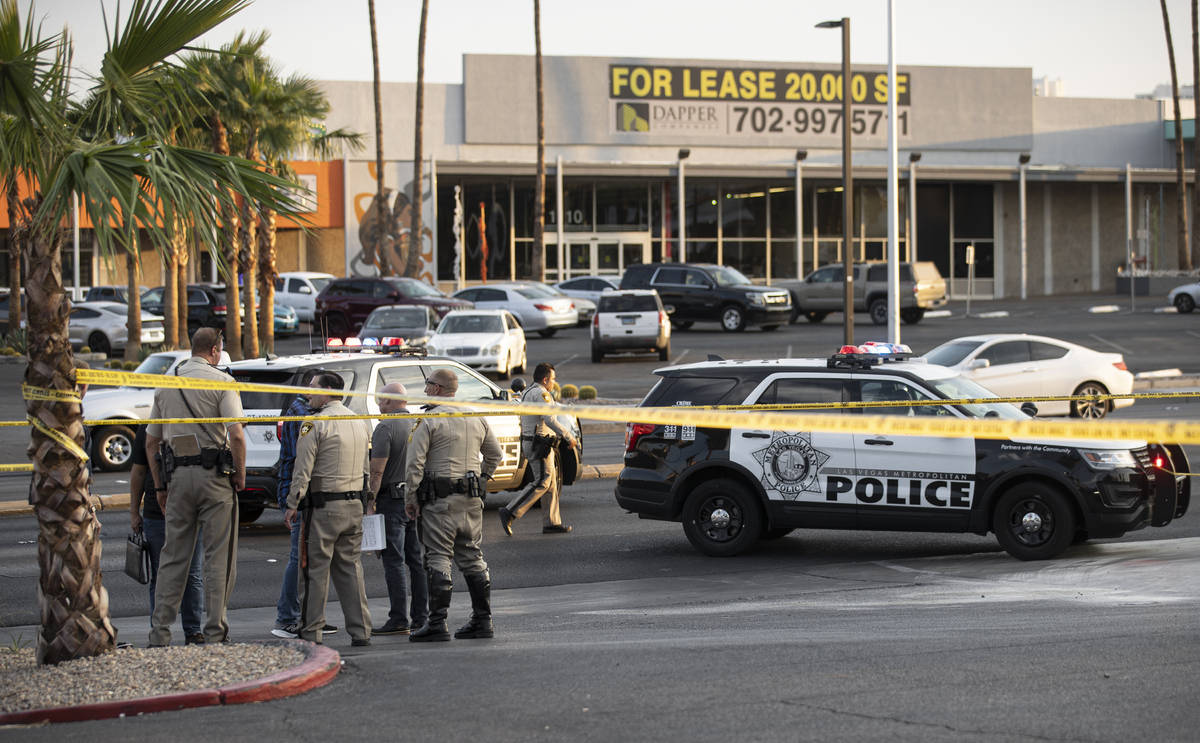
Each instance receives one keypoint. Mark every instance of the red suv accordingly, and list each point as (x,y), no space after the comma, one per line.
(343,305)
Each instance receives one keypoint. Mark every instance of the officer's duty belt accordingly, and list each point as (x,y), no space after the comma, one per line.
(319,499)
(213,455)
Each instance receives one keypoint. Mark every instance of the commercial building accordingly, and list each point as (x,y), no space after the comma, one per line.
(740,163)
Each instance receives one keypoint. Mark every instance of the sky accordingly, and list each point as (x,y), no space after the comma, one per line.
(1098,48)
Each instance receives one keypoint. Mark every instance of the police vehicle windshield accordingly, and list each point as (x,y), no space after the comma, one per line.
(957,388)
(949,354)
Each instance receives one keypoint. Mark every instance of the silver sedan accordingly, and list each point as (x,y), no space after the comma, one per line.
(101,326)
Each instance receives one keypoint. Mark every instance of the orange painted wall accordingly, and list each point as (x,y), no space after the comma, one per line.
(331,211)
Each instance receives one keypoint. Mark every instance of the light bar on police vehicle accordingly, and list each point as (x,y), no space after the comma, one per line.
(869,354)
(390,344)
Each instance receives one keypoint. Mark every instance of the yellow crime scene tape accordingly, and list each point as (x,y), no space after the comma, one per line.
(788,417)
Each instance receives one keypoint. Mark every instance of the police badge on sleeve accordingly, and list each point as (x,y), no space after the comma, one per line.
(790,464)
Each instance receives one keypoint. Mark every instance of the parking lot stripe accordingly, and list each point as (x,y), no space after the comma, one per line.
(1122,349)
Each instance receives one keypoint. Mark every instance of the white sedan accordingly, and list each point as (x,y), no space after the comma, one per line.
(1019,365)
(1185,298)
(536,306)
(487,340)
(112,445)
(101,326)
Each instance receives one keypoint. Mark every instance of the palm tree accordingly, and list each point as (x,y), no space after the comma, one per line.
(1181,200)
(296,107)
(133,323)
(138,179)
(539,200)
(1195,139)
(413,265)
(380,202)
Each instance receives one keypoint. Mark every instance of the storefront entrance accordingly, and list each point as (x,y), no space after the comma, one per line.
(603,254)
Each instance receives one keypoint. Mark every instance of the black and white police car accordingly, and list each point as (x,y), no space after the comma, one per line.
(731,488)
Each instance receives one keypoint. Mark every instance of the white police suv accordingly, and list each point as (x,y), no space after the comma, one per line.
(731,488)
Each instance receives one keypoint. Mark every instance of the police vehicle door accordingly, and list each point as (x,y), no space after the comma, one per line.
(923,483)
(794,468)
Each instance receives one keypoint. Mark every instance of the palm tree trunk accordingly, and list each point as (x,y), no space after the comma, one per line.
(539,200)
(248,262)
(1195,139)
(72,602)
(170,301)
(183,337)
(229,252)
(133,323)
(380,198)
(266,277)
(413,266)
(1183,248)
(18,236)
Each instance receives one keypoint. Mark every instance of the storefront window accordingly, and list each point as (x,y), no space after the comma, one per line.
(973,210)
(701,200)
(829,211)
(622,207)
(486,205)
(782,206)
(783,259)
(747,256)
(701,251)
(577,204)
(744,209)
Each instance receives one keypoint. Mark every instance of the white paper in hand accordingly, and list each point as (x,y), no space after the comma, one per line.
(372,532)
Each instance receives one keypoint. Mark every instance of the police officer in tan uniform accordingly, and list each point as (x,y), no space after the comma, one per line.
(444,486)
(205,464)
(327,485)
(539,442)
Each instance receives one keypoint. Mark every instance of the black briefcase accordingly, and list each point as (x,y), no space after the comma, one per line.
(137,558)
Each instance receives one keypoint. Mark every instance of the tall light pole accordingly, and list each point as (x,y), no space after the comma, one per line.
(800,156)
(913,159)
(847,184)
(1023,162)
(681,256)
(893,215)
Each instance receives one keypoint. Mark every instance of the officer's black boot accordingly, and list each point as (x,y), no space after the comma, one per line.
(480,626)
(435,629)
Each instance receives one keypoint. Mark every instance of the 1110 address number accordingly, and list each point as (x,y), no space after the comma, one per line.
(812,120)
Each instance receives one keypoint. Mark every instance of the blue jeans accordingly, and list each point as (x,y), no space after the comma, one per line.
(287,609)
(403,567)
(191,609)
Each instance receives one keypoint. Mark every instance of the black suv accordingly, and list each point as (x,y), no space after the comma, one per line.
(206,305)
(708,292)
(733,487)
(343,305)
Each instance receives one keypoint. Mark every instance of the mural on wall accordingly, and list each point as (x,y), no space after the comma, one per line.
(485,236)
(379,247)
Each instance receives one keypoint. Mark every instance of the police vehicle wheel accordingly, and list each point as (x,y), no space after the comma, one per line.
(815,317)
(1033,521)
(879,312)
(112,448)
(721,519)
(1090,408)
(249,514)
(99,343)
(777,533)
(1184,303)
(733,319)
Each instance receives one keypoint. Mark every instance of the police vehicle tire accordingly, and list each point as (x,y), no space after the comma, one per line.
(1033,521)
(879,312)
(815,317)
(733,318)
(99,343)
(112,448)
(1184,303)
(912,315)
(249,514)
(738,522)
(776,533)
(1086,408)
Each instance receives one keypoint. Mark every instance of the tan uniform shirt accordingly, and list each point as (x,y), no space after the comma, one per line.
(539,425)
(331,456)
(449,447)
(169,403)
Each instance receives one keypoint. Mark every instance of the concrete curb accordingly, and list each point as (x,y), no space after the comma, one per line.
(319,667)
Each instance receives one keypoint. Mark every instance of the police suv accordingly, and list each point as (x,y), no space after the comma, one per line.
(365,366)
(731,488)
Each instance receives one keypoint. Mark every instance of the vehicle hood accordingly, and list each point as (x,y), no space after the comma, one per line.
(104,403)
(471,339)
